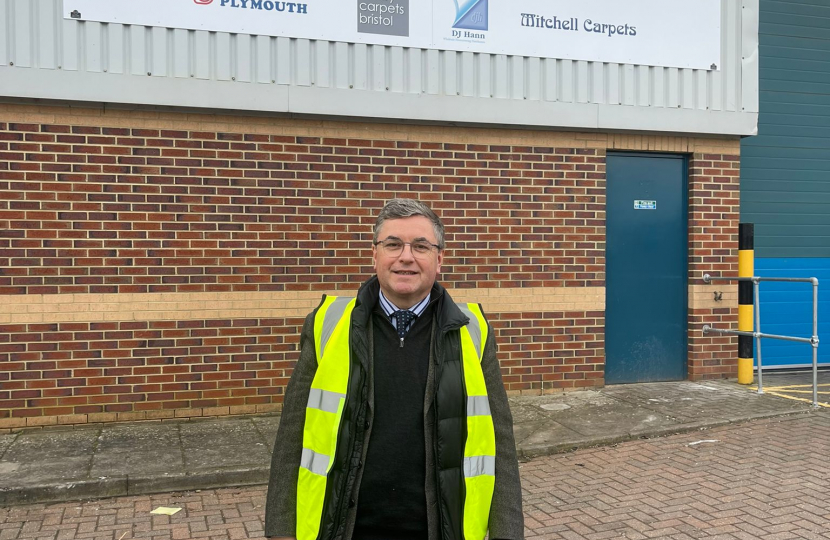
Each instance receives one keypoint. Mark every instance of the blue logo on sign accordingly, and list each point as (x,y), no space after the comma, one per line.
(471,14)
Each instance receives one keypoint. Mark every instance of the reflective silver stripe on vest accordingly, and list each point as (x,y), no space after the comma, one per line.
(324,400)
(316,463)
(473,327)
(333,316)
(478,406)
(479,465)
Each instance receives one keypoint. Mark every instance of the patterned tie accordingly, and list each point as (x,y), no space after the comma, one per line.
(402,320)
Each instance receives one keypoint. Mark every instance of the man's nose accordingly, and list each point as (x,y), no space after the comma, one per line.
(406,252)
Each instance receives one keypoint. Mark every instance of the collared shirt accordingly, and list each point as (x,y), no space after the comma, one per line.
(389,308)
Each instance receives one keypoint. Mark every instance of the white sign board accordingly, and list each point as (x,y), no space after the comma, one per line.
(670,33)
(645,205)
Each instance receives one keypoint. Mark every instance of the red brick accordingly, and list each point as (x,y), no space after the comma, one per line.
(246,212)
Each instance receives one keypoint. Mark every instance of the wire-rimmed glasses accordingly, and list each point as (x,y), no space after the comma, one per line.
(393,247)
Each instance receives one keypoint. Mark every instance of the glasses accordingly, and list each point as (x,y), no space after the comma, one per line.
(393,247)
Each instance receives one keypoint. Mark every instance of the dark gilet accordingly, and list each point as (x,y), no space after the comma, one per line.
(392,501)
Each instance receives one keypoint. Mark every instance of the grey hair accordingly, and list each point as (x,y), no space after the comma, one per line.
(404,208)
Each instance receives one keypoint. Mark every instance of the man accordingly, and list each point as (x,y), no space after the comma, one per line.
(395,424)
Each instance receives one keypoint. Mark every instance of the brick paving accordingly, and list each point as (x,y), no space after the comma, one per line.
(765,479)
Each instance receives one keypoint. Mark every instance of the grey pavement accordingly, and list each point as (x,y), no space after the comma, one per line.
(138,458)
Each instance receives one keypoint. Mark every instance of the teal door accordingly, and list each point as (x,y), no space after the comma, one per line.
(646,268)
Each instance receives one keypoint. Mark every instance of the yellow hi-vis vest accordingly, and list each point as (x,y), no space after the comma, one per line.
(324,413)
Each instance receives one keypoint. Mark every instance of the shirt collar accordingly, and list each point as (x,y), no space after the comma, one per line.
(389,308)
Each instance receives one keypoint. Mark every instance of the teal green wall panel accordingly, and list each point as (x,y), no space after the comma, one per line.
(785,170)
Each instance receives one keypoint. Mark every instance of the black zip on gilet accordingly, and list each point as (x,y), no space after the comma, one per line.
(450,433)
(450,404)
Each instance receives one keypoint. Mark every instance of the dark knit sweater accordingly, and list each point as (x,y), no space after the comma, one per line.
(392,501)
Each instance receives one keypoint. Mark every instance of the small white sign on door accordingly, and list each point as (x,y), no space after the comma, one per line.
(645,205)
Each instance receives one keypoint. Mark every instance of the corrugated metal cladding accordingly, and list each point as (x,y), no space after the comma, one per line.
(43,55)
(785,174)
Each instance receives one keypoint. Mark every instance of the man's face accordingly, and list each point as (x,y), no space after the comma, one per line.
(406,278)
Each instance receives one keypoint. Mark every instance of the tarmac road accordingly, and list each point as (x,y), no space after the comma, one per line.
(765,479)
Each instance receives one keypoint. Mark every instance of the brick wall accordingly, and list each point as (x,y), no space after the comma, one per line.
(714,208)
(159,264)
(88,368)
(116,210)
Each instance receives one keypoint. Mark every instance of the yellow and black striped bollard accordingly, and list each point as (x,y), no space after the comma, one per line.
(746,268)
